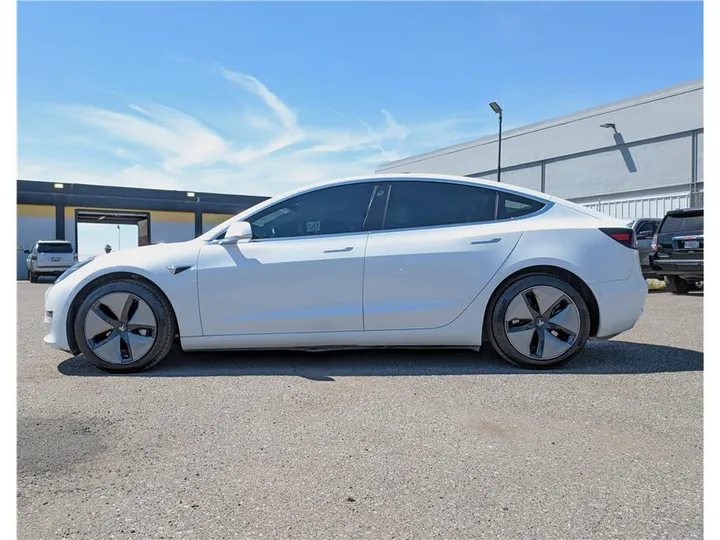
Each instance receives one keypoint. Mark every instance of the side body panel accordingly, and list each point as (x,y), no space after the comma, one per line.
(285,285)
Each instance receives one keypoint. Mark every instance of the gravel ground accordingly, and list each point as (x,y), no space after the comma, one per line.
(447,445)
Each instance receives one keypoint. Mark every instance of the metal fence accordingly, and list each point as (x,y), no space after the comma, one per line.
(655,207)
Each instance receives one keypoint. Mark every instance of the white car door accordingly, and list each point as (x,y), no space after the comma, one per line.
(301,272)
(440,245)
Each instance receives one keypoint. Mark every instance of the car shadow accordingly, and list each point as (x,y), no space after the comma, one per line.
(598,358)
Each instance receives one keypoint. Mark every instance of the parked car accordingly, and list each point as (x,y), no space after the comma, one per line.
(49,258)
(373,261)
(677,250)
(645,229)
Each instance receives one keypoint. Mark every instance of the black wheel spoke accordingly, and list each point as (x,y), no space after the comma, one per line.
(531,303)
(105,316)
(520,326)
(550,312)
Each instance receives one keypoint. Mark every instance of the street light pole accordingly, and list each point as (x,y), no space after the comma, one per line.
(498,110)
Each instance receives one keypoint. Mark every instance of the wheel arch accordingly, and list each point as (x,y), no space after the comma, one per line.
(562,273)
(97,282)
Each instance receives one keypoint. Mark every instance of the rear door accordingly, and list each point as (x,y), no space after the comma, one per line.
(439,246)
(54,254)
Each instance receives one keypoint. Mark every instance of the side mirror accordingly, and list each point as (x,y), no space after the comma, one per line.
(27,252)
(240,231)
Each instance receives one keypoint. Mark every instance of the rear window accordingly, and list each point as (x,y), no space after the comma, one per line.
(677,224)
(57,247)
(513,206)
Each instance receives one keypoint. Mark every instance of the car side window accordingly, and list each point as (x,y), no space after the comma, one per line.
(647,228)
(431,204)
(333,210)
(512,206)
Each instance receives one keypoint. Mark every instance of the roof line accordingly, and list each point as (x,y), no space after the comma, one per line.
(648,97)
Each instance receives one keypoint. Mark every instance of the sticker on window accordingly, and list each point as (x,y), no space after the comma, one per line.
(313,226)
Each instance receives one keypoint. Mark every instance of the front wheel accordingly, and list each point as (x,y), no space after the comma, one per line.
(124,326)
(32,276)
(538,321)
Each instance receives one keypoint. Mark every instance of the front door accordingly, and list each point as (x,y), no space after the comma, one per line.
(301,272)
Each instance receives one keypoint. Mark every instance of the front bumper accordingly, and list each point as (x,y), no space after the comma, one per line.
(620,304)
(56,309)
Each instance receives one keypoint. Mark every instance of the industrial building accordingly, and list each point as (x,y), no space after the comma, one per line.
(52,211)
(639,157)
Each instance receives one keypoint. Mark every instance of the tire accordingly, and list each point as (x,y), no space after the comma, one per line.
(676,285)
(121,317)
(33,277)
(561,342)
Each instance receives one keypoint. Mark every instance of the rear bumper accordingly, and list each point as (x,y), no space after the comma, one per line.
(620,304)
(56,270)
(676,267)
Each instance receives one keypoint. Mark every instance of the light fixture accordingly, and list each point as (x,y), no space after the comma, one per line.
(190,193)
(59,186)
(498,110)
(610,126)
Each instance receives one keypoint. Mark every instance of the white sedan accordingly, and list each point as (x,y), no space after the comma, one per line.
(373,261)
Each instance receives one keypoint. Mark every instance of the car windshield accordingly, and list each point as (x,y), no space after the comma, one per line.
(674,224)
(56,247)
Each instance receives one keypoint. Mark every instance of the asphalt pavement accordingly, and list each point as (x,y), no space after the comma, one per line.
(396,445)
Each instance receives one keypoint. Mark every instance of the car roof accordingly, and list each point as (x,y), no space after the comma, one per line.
(686,212)
(421,177)
(53,241)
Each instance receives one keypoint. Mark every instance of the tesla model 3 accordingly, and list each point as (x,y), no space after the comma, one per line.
(375,261)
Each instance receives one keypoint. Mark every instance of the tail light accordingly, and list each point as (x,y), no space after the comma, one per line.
(623,236)
(653,244)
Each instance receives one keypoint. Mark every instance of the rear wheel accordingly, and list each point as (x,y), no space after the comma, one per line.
(676,285)
(32,276)
(538,321)
(124,326)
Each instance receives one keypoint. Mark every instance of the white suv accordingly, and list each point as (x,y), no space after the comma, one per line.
(49,257)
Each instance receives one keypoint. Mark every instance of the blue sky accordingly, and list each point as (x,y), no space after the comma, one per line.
(93,237)
(261,97)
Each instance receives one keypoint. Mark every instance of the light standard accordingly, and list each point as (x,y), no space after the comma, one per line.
(498,110)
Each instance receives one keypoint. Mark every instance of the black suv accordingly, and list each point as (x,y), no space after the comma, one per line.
(676,251)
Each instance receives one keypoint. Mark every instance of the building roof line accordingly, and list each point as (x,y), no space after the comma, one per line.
(649,97)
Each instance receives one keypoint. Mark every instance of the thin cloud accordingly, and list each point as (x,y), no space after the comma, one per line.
(177,138)
(154,145)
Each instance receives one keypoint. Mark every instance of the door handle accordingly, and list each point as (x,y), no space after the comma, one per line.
(492,241)
(343,250)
